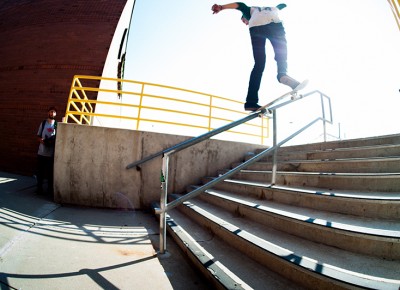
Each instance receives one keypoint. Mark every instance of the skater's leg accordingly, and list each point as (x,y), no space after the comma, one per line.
(277,36)
(258,44)
(279,44)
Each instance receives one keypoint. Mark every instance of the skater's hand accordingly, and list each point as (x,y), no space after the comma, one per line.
(245,21)
(216,8)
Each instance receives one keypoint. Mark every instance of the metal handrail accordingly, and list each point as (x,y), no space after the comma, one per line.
(193,141)
(231,172)
(165,206)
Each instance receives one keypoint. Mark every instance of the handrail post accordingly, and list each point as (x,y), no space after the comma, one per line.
(275,156)
(140,107)
(210,113)
(323,115)
(163,221)
(163,204)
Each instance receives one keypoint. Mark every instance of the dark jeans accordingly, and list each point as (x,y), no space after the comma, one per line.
(275,33)
(45,169)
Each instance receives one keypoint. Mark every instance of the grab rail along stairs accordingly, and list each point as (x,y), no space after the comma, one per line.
(165,206)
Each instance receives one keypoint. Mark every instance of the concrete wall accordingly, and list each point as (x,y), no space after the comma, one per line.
(90,165)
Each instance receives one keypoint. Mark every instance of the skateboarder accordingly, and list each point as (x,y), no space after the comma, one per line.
(264,23)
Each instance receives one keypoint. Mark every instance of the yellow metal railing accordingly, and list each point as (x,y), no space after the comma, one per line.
(395,7)
(152,107)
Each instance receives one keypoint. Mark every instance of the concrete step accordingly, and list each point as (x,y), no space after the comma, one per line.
(331,221)
(312,265)
(218,261)
(382,182)
(362,235)
(361,142)
(289,153)
(370,165)
(381,205)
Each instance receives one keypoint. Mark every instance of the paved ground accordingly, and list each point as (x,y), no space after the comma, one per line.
(44,245)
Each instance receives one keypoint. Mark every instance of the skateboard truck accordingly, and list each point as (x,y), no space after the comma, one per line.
(296,96)
(265,112)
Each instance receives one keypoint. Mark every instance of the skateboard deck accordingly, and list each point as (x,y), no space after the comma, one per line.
(292,93)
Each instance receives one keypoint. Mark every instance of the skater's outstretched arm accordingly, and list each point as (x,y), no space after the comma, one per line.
(236,5)
(217,8)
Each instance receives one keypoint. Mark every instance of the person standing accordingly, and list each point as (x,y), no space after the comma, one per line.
(264,23)
(46,136)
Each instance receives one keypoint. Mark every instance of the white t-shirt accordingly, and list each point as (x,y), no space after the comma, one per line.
(263,15)
(48,131)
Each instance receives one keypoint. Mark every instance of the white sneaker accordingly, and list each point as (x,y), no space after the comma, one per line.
(287,80)
(295,92)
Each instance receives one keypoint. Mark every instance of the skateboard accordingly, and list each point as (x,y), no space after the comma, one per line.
(292,93)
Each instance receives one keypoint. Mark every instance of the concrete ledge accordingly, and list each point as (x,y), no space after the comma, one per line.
(363,204)
(382,182)
(380,242)
(359,142)
(90,165)
(216,273)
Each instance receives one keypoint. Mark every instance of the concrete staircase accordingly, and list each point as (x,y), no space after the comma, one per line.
(332,221)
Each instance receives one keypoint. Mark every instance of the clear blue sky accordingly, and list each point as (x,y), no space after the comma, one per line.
(348,49)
